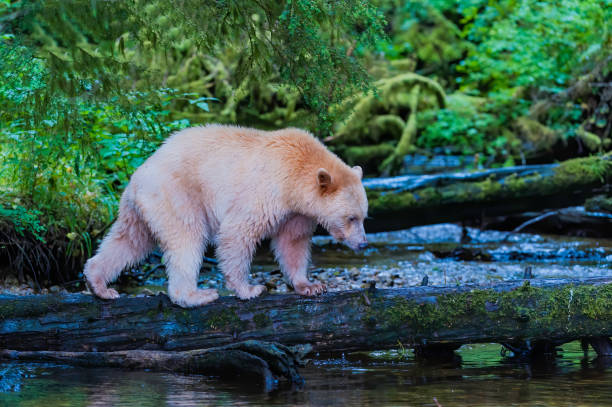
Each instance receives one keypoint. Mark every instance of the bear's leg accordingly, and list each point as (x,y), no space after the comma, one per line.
(181,229)
(235,250)
(128,242)
(184,258)
(291,247)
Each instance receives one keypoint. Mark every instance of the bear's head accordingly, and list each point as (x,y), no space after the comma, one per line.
(342,205)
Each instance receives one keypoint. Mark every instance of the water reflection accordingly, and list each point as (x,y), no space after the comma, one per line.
(481,376)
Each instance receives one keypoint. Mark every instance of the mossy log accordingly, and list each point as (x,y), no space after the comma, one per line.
(405,201)
(420,317)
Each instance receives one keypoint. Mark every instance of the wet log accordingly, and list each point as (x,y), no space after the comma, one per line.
(602,346)
(575,220)
(412,200)
(421,317)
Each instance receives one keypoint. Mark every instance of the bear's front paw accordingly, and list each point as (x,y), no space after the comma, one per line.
(192,298)
(310,289)
(99,288)
(107,293)
(250,291)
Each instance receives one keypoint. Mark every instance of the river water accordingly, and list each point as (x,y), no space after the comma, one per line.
(480,375)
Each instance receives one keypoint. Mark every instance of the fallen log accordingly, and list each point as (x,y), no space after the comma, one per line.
(575,220)
(424,316)
(405,201)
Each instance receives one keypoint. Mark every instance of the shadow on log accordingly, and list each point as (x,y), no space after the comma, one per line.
(405,201)
(424,316)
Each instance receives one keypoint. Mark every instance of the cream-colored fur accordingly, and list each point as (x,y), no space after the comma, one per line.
(232,187)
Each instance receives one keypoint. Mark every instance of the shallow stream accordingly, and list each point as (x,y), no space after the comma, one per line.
(479,377)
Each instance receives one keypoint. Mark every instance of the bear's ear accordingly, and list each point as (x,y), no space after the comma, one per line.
(358,170)
(324,178)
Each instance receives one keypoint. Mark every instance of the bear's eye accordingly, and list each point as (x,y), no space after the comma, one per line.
(352,218)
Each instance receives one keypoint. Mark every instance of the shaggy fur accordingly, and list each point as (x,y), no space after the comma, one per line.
(232,187)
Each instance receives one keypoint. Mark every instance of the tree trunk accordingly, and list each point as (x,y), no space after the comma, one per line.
(552,310)
(405,201)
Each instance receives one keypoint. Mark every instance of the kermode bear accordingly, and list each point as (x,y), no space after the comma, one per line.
(232,187)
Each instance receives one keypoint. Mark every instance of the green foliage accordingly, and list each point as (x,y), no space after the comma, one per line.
(531,43)
(60,181)
(527,51)
(519,77)
(67,175)
(97,49)
(24,220)
(446,127)
(421,31)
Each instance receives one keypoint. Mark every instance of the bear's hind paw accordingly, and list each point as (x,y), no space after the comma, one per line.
(195,298)
(250,291)
(201,297)
(107,293)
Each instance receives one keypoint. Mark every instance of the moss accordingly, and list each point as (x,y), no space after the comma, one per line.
(404,64)
(409,133)
(386,126)
(489,188)
(367,155)
(538,136)
(261,320)
(26,309)
(429,194)
(582,171)
(599,203)
(183,317)
(590,140)
(515,183)
(398,85)
(568,308)
(387,201)
(377,115)
(226,318)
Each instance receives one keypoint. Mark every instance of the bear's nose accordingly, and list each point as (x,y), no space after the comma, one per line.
(363,245)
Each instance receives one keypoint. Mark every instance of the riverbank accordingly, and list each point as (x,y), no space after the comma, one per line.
(443,255)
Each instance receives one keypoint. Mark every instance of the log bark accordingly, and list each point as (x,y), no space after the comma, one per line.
(405,201)
(508,312)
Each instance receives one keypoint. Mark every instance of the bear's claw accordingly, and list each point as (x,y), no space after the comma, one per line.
(310,289)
